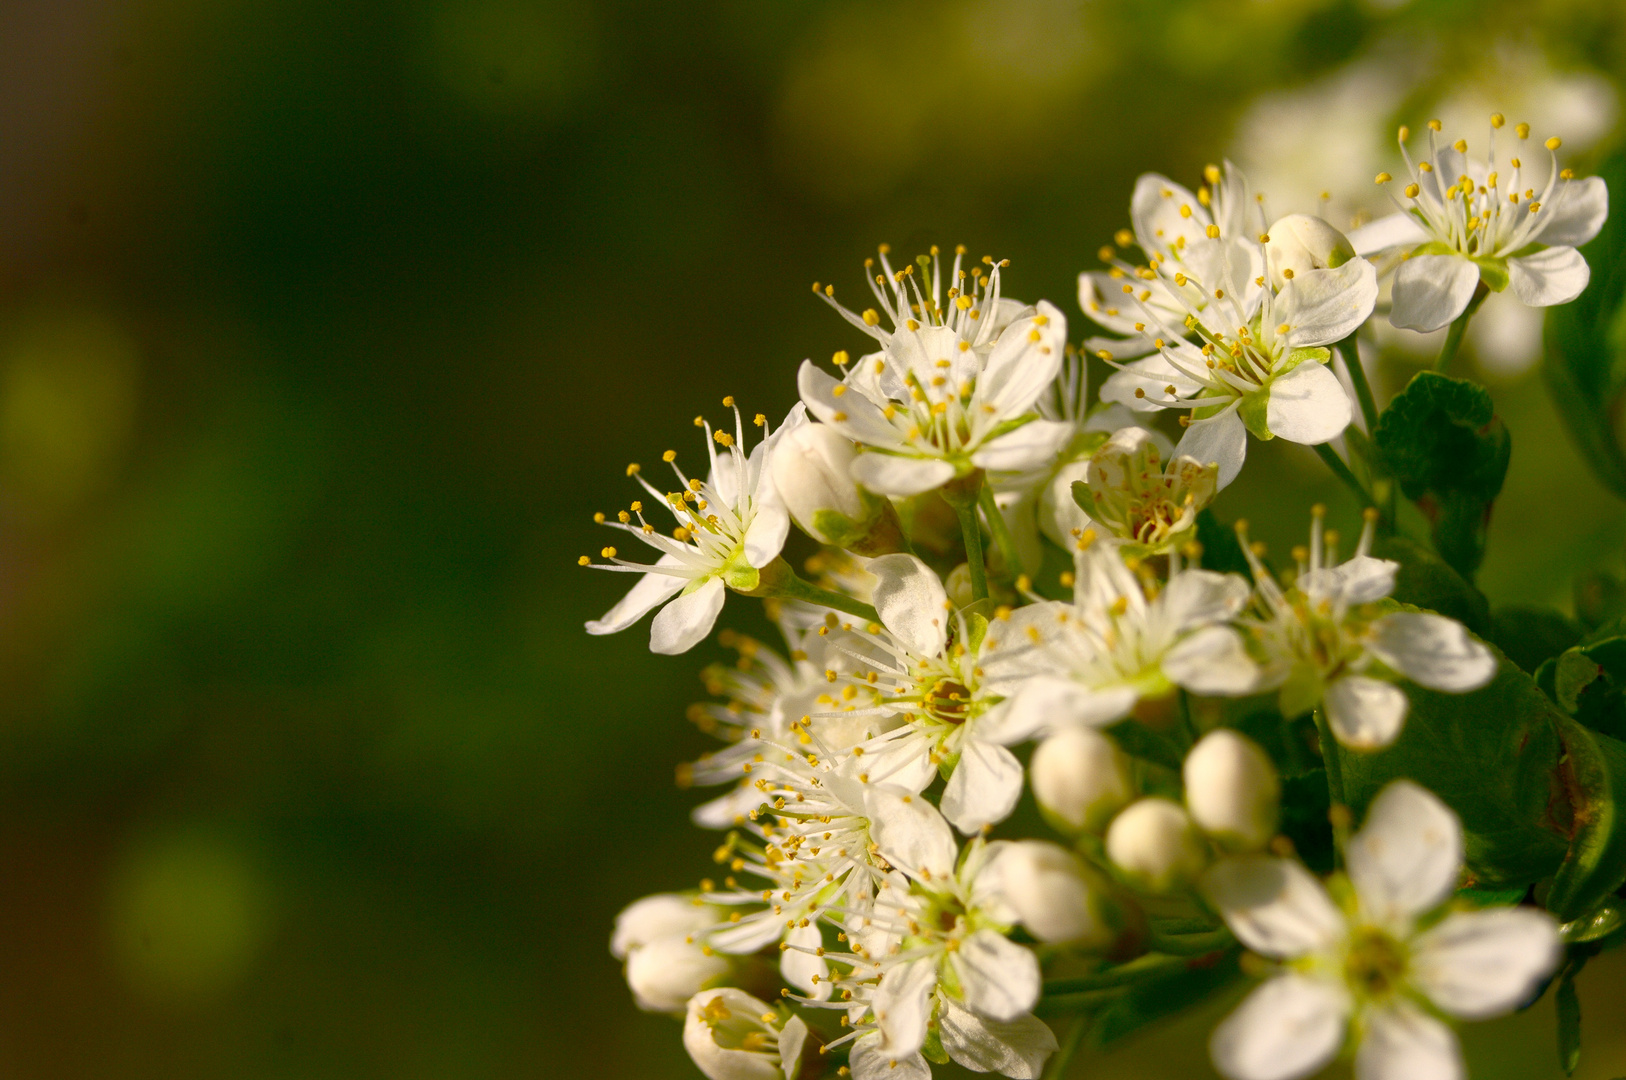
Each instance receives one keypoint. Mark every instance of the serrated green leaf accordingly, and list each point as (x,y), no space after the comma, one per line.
(1442,441)
(1492,755)
(1425,581)
(1593,777)
(1585,365)
(1531,635)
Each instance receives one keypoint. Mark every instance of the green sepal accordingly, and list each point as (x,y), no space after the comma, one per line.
(1253,411)
(1608,918)
(1593,777)
(1493,272)
(932,1049)
(1432,247)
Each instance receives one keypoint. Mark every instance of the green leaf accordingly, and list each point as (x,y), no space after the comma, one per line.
(1569,1021)
(1586,348)
(1425,581)
(1155,999)
(1442,441)
(1531,635)
(1593,777)
(1477,897)
(1492,755)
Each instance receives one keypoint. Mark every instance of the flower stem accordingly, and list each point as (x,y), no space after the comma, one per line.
(962,495)
(1342,471)
(1459,326)
(1357,379)
(1338,809)
(1003,539)
(1137,970)
(1056,1068)
(780,581)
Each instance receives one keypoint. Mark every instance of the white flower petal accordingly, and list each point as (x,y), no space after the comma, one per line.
(984,787)
(1102,299)
(1394,231)
(1359,580)
(902,1005)
(861,419)
(888,474)
(1214,661)
(1274,906)
(1576,216)
(869,1061)
(765,536)
(1364,713)
(1431,290)
(802,967)
(910,599)
(1020,368)
(792,1041)
(658,916)
(910,833)
(1477,964)
(999,979)
(1152,376)
(1287,1028)
(1035,443)
(649,592)
(1324,306)
(1554,276)
(685,622)
(1220,440)
(1401,1043)
(727,811)
(1308,405)
(1432,651)
(1155,211)
(1405,859)
(1199,597)
(1048,703)
(1017,1049)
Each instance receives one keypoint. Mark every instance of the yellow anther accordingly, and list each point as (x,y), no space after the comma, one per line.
(621,516)
(584,561)
(1384,178)
(1412,191)
(637,508)
(871,317)
(884,249)
(1423,166)
(1123,237)
(1179,279)
(838,390)
(838,417)
(728,402)
(669,457)
(634,469)
(1264,238)
(1213,232)
(723,438)
(962,302)
(1282,329)
(1497,120)
(1034,335)
(1103,354)
(965,346)
(1288,273)
(1434,125)
(1522,130)
(1185,210)
(1041,320)
(608,553)
(1460,146)
(1129,289)
(1554,143)
(1534,207)
(1140,392)
(911,324)
(598,519)
(1105,253)
(1566,174)
(841,359)
(680,534)
(759,420)
(700,421)
(1405,132)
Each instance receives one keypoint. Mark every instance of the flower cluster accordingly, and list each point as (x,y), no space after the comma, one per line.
(1008,597)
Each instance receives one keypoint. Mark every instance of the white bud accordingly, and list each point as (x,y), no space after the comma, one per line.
(810,470)
(667,972)
(1156,845)
(1080,778)
(1301,243)
(658,916)
(1052,893)
(1232,790)
(731,1035)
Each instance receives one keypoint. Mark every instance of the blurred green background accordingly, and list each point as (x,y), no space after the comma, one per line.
(325,327)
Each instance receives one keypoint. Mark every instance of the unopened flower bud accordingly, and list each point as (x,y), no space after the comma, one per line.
(668,971)
(1157,846)
(1080,779)
(731,1035)
(810,470)
(1301,243)
(1056,896)
(658,916)
(1232,790)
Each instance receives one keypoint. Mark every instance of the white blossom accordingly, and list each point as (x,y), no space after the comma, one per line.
(1327,644)
(1466,223)
(661,938)
(1135,497)
(731,1035)
(1376,968)
(730,526)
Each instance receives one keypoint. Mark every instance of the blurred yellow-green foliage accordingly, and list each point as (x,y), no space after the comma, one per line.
(325,327)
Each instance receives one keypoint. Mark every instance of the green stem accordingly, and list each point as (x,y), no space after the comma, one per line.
(1003,539)
(1056,1069)
(1459,326)
(1137,970)
(791,587)
(965,508)
(1357,379)
(1342,471)
(1192,944)
(1338,809)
